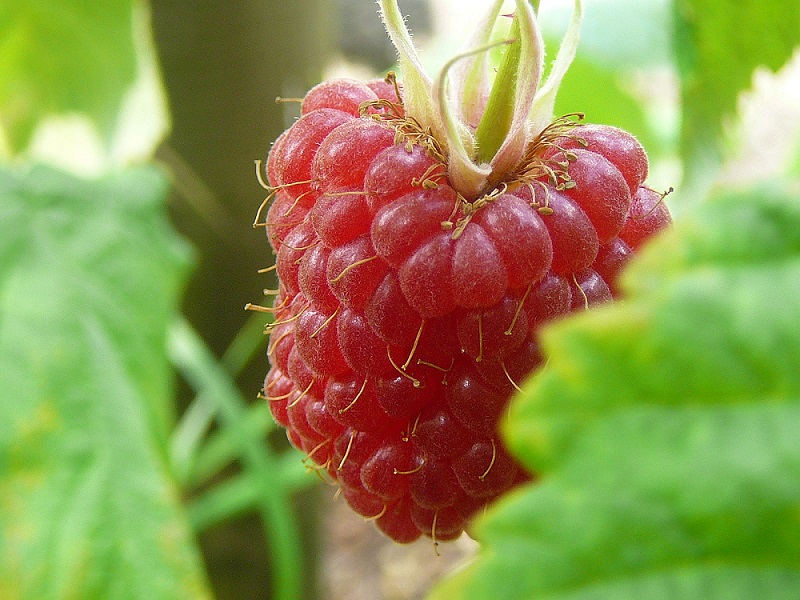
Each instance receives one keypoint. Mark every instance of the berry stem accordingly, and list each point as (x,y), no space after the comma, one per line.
(496,120)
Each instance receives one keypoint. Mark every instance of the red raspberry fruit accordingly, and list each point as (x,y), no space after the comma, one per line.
(407,314)
(423,237)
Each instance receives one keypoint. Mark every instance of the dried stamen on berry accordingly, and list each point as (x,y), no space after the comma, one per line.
(414,346)
(483,475)
(410,235)
(378,516)
(281,397)
(326,322)
(430,179)
(300,248)
(582,292)
(261,309)
(433,533)
(282,100)
(518,311)
(411,472)
(259,164)
(347,451)
(315,449)
(408,131)
(662,195)
(358,395)
(302,395)
(414,381)
(283,336)
(437,367)
(468,209)
(479,357)
(273,325)
(352,266)
(533,167)
(508,376)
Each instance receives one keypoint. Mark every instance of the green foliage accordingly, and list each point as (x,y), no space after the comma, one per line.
(265,483)
(90,275)
(665,429)
(718,44)
(625,34)
(93,467)
(622,58)
(610,102)
(63,56)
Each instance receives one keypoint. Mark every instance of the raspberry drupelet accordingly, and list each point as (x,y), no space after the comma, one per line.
(407,315)
(413,287)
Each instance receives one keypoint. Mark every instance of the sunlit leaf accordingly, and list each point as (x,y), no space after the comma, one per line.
(665,429)
(718,45)
(607,101)
(62,57)
(90,274)
(625,34)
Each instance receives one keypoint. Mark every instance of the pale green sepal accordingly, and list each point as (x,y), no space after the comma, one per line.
(531,65)
(448,117)
(466,176)
(541,114)
(470,81)
(417,96)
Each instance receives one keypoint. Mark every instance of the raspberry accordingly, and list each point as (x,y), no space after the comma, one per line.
(409,308)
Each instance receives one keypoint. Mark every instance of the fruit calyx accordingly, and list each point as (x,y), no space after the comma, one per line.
(481,151)
(532,170)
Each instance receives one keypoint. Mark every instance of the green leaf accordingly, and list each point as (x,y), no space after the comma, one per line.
(63,56)
(666,428)
(274,481)
(609,102)
(621,34)
(718,45)
(90,275)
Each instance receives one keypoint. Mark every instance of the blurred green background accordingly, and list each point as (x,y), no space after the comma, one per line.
(129,424)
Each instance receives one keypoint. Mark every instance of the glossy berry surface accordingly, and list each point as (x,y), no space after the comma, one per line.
(408,314)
